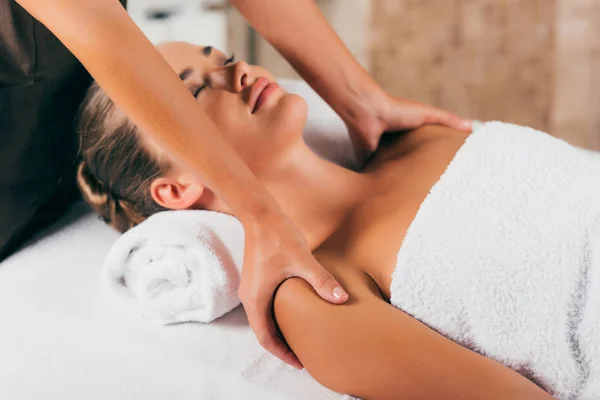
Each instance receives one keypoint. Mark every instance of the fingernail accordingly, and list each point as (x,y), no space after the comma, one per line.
(338,292)
(467,124)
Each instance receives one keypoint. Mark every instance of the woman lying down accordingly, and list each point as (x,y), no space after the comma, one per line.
(471,260)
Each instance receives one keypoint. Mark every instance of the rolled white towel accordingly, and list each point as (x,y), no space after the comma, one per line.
(178,266)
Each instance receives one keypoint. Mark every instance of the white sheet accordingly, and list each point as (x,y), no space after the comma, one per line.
(61,336)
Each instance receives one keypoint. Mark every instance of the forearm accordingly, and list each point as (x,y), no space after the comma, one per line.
(137,78)
(298,30)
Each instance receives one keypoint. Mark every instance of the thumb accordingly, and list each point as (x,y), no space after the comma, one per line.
(364,143)
(326,286)
(361,150)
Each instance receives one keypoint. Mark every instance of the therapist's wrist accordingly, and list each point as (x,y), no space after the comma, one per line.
(259,212)
(363,101)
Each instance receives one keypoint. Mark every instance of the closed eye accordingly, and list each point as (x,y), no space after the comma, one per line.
(197,91)
(230,60)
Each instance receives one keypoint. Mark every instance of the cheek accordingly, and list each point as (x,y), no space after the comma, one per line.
(232,118)
(282,127)
(257,138)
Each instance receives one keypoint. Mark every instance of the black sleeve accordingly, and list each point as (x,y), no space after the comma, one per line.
(41,87)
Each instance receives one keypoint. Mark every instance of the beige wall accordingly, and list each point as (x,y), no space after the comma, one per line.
(531,62)
(351,19)
(576,106)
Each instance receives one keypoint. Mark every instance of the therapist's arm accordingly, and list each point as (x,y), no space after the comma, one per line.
(298,30)
(137,78)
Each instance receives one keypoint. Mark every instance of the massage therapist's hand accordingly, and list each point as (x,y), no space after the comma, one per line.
(379,113)
(276,250)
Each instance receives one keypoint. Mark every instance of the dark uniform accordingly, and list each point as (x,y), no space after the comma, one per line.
(41,87)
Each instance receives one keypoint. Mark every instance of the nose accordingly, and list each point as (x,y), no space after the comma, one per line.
(234,77)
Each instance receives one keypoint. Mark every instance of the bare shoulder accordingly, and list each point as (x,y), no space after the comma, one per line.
(319,332)
(411,146)
(372,350)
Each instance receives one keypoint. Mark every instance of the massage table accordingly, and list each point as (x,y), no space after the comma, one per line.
(62,337)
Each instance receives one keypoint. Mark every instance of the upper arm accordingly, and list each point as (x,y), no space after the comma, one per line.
(370,349)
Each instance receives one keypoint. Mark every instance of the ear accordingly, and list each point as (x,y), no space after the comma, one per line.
(176,194)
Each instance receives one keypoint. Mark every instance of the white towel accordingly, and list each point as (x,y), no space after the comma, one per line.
(503,257)
(178,266)
(150,264)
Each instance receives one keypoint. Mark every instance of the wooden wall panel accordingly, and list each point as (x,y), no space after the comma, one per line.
(485,59)
(531,62)
(576,106)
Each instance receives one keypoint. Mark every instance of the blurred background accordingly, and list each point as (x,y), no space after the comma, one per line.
(530,62)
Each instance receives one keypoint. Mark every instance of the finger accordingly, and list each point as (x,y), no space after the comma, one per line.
(280,350)
(287,355)
(263,326)
(361,150)
(326,286)
(442,117)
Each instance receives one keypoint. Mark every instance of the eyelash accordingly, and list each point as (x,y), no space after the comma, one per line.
(230,60)
(197,91)
(201,88)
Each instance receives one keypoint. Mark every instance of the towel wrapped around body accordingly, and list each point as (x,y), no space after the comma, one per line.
(503,257)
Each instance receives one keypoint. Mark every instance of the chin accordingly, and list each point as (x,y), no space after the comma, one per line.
(290,117)
(281,131)
(293,112)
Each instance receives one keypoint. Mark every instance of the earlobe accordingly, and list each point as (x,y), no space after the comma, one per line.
(174,194)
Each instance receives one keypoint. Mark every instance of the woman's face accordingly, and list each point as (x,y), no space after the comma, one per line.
(258,118)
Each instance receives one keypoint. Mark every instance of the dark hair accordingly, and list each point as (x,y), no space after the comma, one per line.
(117,169)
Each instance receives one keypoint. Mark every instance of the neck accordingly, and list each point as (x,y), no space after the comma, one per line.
(316,194)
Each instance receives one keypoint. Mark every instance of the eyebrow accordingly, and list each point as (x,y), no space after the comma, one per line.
(185,73)
(207,50)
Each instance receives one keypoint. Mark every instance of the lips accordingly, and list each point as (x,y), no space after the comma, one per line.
(260,93)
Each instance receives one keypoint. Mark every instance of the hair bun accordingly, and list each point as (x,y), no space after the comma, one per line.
(87,180)
(112,210)
(94,193)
